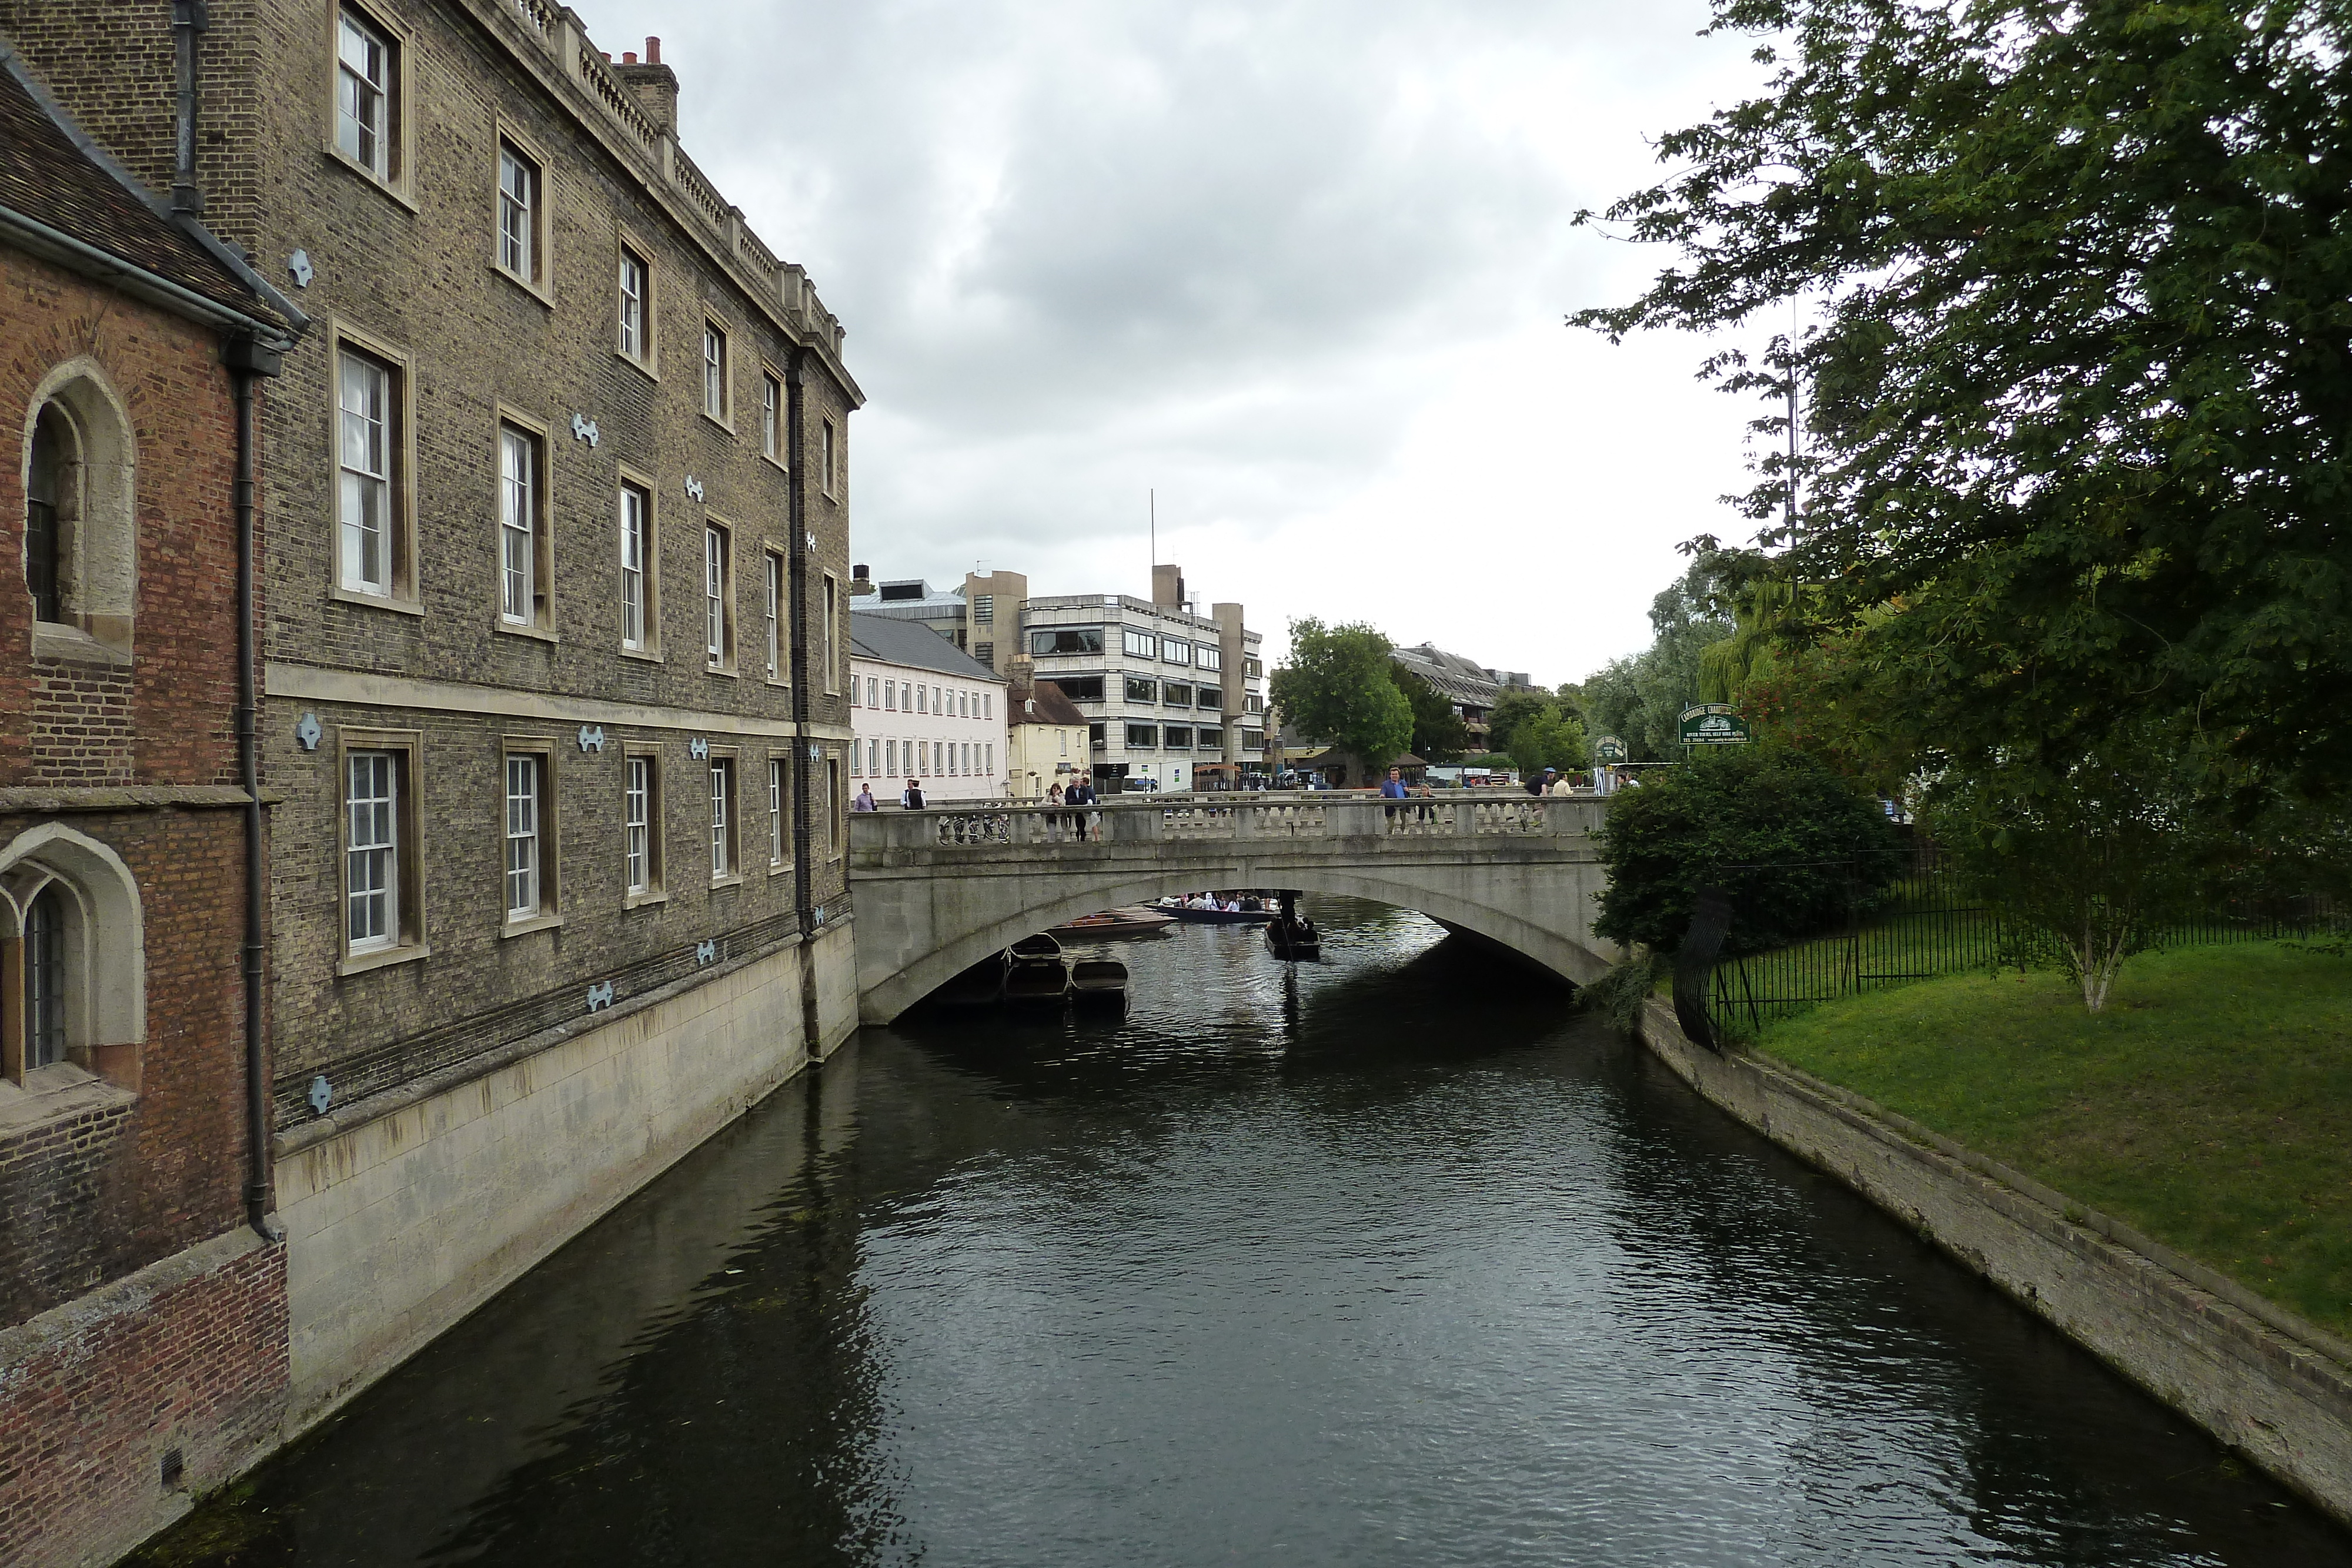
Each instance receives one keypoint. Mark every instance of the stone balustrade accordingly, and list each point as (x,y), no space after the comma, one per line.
(1262,816)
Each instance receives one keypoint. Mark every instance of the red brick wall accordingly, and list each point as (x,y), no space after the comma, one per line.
(168,1172)
(170,720)
(87,1414)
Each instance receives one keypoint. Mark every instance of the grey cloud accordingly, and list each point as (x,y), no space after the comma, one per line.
(1082,248)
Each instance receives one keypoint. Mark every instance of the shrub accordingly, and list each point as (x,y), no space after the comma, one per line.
(1619,995)
(1793,844)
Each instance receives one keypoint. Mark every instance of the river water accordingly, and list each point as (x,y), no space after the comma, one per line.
(1386,1259)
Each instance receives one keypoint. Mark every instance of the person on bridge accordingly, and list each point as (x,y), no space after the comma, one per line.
(1394,790)
(864,800)
(912,797)
(1543,786)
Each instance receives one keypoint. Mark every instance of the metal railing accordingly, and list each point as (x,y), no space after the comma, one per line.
(1929,923)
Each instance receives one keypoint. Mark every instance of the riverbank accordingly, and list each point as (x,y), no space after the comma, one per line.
(2262,1379)
(2210,1106)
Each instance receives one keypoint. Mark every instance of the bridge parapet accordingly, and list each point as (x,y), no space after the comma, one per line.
(1222,820)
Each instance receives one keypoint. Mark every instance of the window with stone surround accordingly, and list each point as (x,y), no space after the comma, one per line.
(639,582)
(526,550)
(375,520)
(80,555)
(530,828)
(773,564)
(718,598)
(382,914)
(633,312)
(832,633)
(778,794)
(371,54)
(772,416)
(827,811)
(522,235)
(72,954)
(717,394)
(363,92)
(641,837)
(723,857)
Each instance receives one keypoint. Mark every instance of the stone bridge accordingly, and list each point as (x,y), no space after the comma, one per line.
(937,891)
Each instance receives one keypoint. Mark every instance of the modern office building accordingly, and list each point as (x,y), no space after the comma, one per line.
(919,709)
(1174,699)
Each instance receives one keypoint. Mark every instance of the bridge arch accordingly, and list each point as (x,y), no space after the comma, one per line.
(925,917)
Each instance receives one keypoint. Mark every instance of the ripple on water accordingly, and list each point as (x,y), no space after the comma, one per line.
(1384,1260)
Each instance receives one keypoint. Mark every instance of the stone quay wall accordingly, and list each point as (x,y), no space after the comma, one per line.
(406,1212)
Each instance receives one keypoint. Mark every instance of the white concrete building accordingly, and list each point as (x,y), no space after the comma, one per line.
(920,709)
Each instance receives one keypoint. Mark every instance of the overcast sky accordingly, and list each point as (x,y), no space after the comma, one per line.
(1298,267)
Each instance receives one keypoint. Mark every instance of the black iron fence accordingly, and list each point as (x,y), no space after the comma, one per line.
(1929,922)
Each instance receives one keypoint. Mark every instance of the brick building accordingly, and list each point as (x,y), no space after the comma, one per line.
(143,1307)
(556,636)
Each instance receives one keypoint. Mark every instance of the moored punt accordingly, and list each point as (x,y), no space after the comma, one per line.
(1132,920)
(1215,916)
(1037,982)
(1099,981)
(1035,971)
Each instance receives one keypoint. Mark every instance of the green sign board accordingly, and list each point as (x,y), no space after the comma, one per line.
(1609,749)
(1713,723)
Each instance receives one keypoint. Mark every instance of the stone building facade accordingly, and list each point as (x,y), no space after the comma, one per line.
(142,1300)
(556,704)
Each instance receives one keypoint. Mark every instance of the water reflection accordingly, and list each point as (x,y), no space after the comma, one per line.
(1377,1259)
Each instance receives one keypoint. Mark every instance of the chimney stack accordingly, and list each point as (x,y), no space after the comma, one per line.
(861,581)
(653,84)
(1168,587)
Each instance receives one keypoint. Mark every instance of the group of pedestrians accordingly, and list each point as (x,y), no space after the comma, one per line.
(912,797)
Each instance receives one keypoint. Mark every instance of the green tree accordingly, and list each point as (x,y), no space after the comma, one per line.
(2080,383)
(1438,733)
(1511,710)
(1790,841)
(1641,699)
(1336,688)
(1550,739)
(2088,868)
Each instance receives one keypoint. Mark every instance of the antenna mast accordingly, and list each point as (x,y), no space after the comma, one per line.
(1153,501)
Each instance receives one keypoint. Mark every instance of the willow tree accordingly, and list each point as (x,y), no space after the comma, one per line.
(2081,378)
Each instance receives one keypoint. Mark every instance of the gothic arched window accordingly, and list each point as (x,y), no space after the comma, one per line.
(49,505)
(45,979)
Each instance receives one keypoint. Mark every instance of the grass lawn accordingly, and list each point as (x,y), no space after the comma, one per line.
(2210,1106)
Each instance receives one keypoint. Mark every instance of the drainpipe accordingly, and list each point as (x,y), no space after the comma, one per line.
(247,358)
(795,424)
(188,19)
